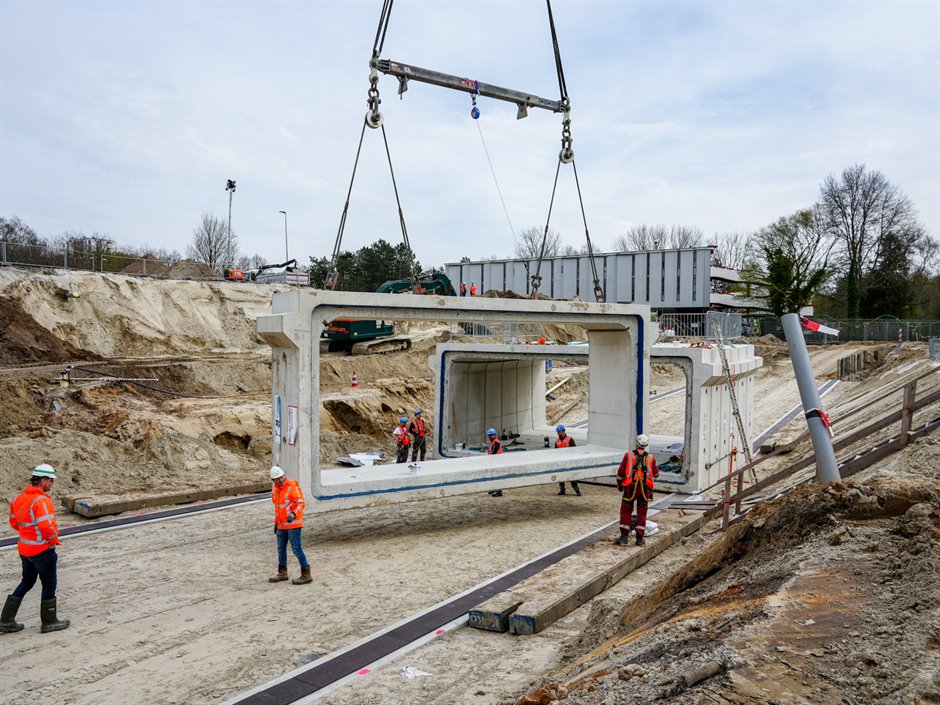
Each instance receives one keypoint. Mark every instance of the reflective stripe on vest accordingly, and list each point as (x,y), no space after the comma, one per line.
(563,442)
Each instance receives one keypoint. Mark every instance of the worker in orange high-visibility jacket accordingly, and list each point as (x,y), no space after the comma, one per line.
(32,514)
(402,440)
(566,441)
(494,447)
(289,507)
(419,437)
(635,479)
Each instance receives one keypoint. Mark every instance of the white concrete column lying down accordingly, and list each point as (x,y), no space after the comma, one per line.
(619,388)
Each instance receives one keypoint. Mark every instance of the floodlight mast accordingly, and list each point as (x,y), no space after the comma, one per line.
(523,101)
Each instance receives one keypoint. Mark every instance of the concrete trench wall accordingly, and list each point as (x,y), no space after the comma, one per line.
(620,341)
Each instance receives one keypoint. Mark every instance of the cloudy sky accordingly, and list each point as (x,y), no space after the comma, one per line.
(127,118)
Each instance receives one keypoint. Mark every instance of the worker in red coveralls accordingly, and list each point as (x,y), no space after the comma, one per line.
(419,437)
(635,479)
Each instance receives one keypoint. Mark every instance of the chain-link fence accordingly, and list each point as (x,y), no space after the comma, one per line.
(858,329)
(82,254)
(701,325)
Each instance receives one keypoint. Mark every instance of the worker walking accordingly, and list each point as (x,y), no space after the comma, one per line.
(473,289)
(289,507)
(566,441)
(463,288)
(402,440)
(32,514)
(635,479)
(494,448)
(418,437)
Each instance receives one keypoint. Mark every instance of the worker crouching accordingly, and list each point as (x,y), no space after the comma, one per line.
(32,514)
(635,479)
(289,506)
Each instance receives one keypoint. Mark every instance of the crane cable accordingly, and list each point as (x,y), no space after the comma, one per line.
(565,156)
(495,180)
(373,119)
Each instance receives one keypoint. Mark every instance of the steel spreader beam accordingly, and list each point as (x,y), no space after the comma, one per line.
(407,72)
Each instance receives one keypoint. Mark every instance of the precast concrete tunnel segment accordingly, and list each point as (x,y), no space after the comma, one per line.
(503,386)
(620,341)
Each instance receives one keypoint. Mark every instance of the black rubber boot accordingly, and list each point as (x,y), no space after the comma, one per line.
(561,488)
(624,537)
(640,540)
(47,612)
(577,488)
(8,623)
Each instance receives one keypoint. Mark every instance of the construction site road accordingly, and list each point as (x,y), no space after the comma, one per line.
(181,611)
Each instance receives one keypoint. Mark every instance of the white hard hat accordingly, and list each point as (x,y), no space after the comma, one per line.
(642,441)
(44,470)
(276,472)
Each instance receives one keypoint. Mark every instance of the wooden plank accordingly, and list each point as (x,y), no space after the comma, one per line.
(534,616)
(101,505)
(493,615)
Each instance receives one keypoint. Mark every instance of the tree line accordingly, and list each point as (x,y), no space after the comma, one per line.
(367,268)
(858,252)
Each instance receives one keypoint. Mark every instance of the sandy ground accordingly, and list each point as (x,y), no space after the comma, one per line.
(180,611)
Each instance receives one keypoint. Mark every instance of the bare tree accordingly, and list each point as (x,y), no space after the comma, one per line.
(529,243)
(210,243)
(733,250)
(656,237)
(863,210)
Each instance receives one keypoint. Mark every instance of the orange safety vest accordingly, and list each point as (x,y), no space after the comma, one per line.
(416,428)
(495,448)
(288,498)
(633,474)
(402,438)
(473,290)
(32,514)
(566,442)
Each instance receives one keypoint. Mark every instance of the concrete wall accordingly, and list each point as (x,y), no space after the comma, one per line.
(621,337)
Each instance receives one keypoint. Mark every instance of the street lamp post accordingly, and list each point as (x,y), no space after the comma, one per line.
(286,256)
(230,187)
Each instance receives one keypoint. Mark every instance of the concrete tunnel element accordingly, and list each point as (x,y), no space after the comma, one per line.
(618,358)
(503,386)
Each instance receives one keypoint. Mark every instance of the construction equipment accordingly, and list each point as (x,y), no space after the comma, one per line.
(290,275)
(364,337)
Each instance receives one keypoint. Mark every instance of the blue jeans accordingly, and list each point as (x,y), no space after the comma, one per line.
(292,535)
(42,566)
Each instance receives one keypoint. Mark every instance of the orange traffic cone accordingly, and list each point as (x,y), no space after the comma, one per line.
(355,382)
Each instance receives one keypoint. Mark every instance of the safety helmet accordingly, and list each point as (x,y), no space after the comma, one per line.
(44,470)
(560,427)
(417,412)
(491,432)
(642,441)
(276,472)
(403,419)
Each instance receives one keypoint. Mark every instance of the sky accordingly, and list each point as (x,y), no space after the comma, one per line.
(128,118)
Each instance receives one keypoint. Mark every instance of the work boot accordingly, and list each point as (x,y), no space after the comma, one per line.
(496,493)
(577,490)
(624,537)
(280,576)
(47,613)
(561,488)
(304,577)
(8,623)
(640,540)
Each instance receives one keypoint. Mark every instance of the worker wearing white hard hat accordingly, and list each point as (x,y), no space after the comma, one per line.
(635,479)
(32,514)
(289,507)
